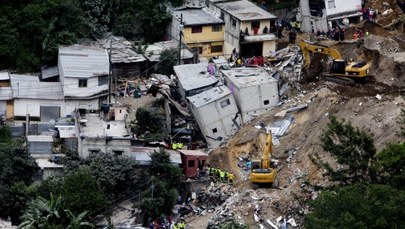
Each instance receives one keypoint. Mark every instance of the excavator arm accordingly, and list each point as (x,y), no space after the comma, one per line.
(268,148)
(307,49)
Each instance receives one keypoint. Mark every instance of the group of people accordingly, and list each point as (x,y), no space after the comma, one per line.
(358,34)
(369,13)
(337,34)
(167,223)
(221,175)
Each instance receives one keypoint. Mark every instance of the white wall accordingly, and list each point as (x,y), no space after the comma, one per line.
(71,87)
(213,116)
(342,6)
(100,144)
(71,105)
(32,107)
(250,100)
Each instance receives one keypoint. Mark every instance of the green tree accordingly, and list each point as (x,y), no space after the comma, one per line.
(390,165)
(162,168)
(78,221)
(358,206)
(150,123)
(168,59)
(17,168)
(5,135)
(352,148)
(164,179)
(42,213)
(82,192)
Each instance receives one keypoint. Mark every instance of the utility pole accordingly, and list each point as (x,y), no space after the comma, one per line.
(180,34)
(109,73)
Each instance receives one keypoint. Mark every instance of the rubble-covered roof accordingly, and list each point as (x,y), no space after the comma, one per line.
(245,10)
(246,76)
(83,61)
(121,51)
(209,96)
(261,37)
(142,155)
(197,17)
(30,87)
(193,76)
(39,138)
(192,152)
(98,128)
(4,76)
(152,52)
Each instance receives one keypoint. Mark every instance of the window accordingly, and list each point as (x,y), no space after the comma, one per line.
(191,164)
(196,29)
(102,80)
(255,24)
(214,130)
(200,50)
(82,82)
(222,15)
(331,4)
(225,103)
(233,20)
(118,152)
(94,151)
(266,102)
(216,48)
(216,28)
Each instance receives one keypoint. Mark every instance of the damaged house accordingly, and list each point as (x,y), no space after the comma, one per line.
(255,90)
(216,114)
(321,15)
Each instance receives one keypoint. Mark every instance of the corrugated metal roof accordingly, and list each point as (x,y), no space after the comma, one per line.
(193,153)
(245,10)
(197,17)
(152,52)
(49,72)
(247,77)
(83,61)
(193,76)
(4,76)
(39,138)
(6,93)
(30,87)
(209,96)
(121,51)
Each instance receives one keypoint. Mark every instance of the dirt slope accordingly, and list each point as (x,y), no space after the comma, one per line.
(363,109)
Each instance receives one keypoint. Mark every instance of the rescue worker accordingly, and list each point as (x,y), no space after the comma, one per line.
(225,176)
(175,226)
(182,225)
(222,175)
(231,177)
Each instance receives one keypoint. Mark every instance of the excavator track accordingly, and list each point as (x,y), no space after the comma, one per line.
(340,80)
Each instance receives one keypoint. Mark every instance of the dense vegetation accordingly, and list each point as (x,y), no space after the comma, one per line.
(32,30)
(370,191)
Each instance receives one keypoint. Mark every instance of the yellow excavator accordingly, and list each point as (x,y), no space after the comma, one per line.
(261,171)
(339,67)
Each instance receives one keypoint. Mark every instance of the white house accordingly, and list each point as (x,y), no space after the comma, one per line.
(41,100)
(216,114)
(326,14)
(83,71)
(241,16)
(99,136)
(255,90)
(194,78)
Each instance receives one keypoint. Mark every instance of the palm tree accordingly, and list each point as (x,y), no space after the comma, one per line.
(77,221)
(41,213)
